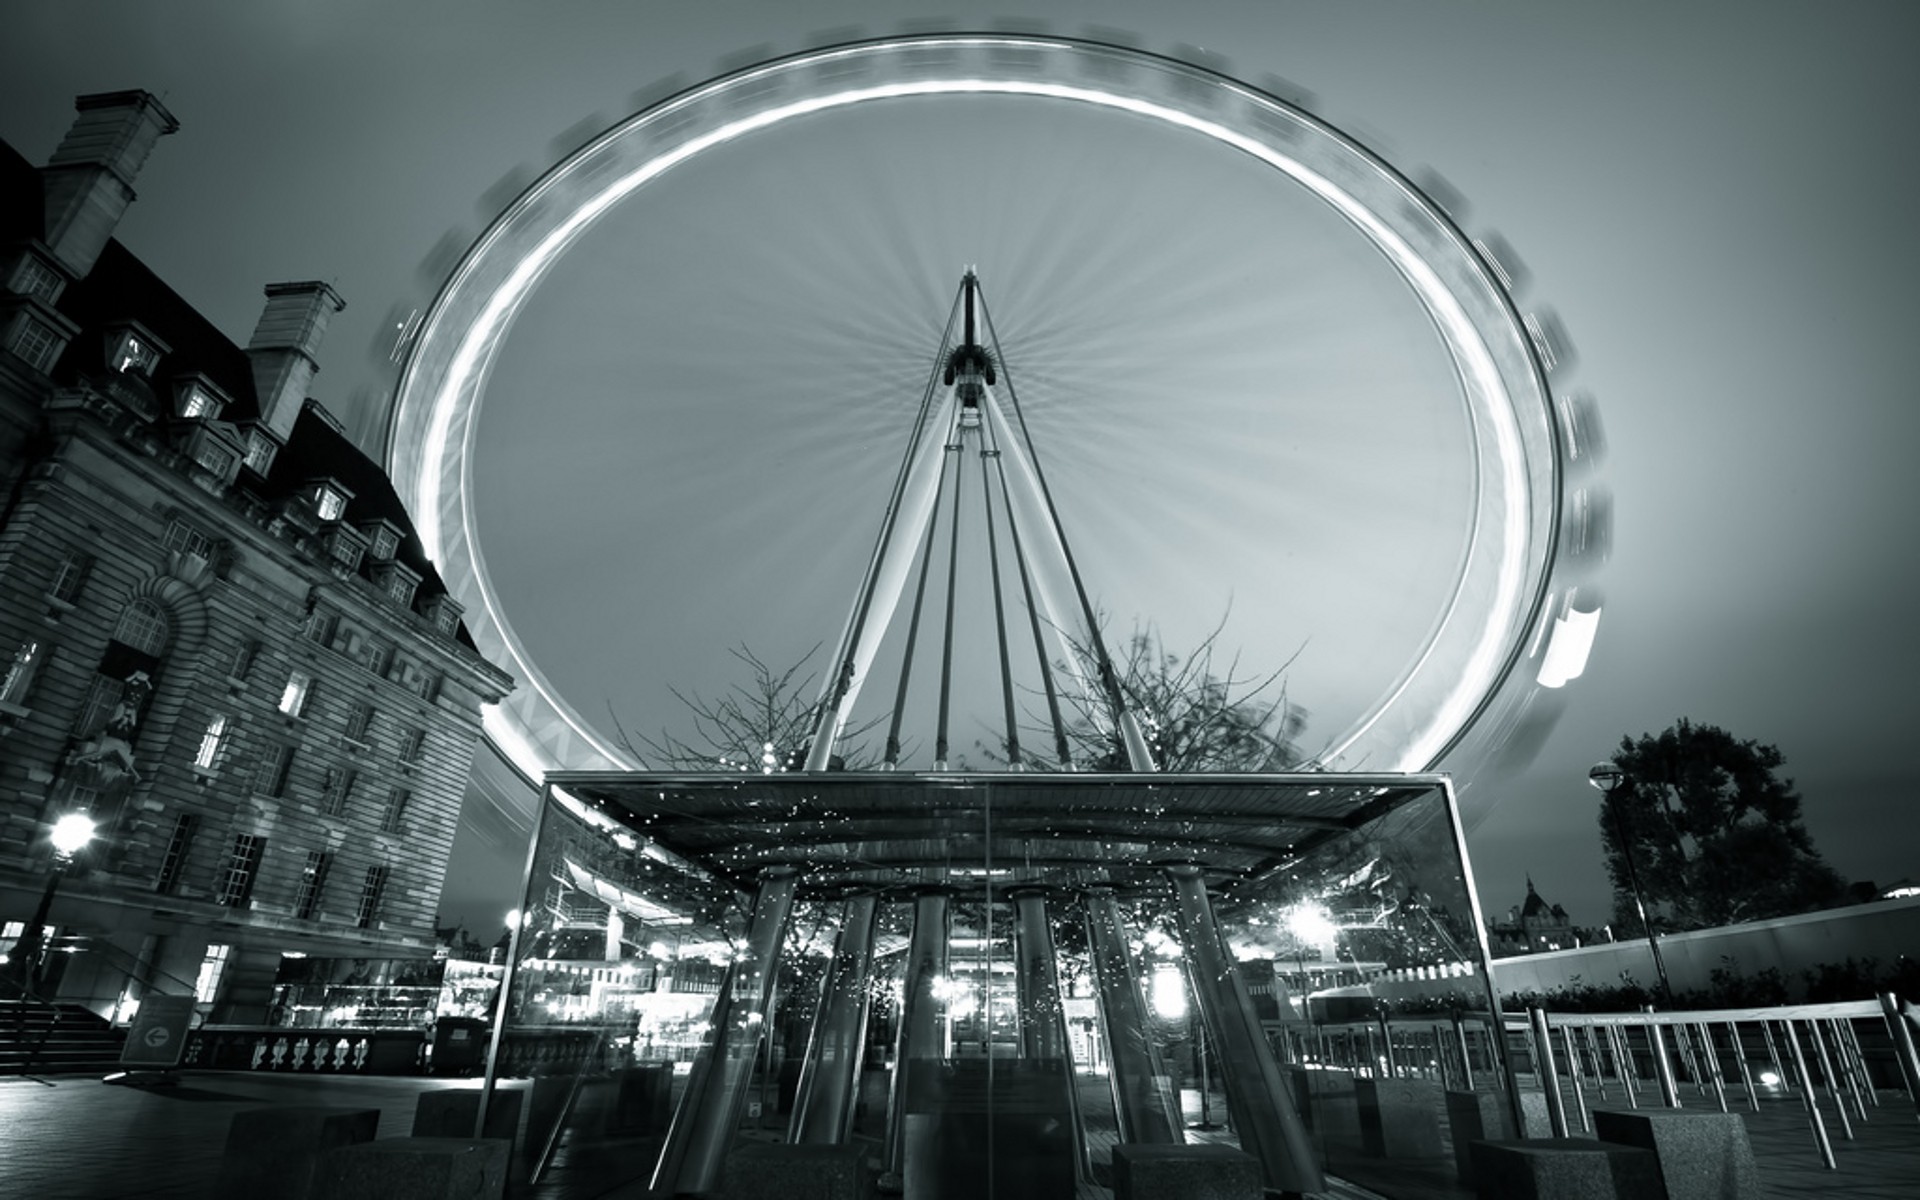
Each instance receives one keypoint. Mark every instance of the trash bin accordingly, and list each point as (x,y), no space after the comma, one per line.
(459,1045)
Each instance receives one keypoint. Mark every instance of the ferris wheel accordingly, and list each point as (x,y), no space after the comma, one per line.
(1493,607)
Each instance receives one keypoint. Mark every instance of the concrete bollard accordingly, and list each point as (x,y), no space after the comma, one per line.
(1399,1118)
(798,1172)
(1564,1169)
(1702,1155)
(1150,1171)
(277,1151)
(416,1168)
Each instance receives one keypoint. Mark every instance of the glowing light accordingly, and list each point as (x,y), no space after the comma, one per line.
(1769,1079)
(1311,924)
(1169,993)
(1568,648)
(72,832)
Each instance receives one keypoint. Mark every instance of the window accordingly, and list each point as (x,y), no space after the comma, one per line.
(197,402)
(243,863)
(35,342)
(142,626)
(27,660)
(385,543)
(260,451)
(242,660)
(70,578)
(215,458)
(102,695)
(134,353)
(211,741)
(329,502)
(335,786)
(411,743)
(400,588)
(320,626)
(178,847)
(344,550)
(36,279)
(313,881)
(397,801)
(206,985)
(187,540)
(380,659)
(271,772)
(299,689)
(370,889)
(359,720)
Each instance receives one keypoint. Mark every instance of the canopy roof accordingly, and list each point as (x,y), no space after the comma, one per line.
(845,833)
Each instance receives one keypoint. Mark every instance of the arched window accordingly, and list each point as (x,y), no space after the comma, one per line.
(143,626)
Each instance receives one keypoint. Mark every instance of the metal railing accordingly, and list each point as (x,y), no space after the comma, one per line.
(1658,1057)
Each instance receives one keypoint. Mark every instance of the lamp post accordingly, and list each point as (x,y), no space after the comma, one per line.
(69,836)
(1608,776)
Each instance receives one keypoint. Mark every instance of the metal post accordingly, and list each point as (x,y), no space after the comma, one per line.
(1573,1073)
(1262,1107)
(1712,1058)
(1144,1108)
(1826,1073)
(501,1008)
(1623,1063)
(1466,1052)
(1545,1068)
(1042,1017)
(708,1116)
(1844,1052)
(1746,1072)
(1599,1060)
(1807,1096)
(823,1104)
(1780,1072)
(922,1018)
(1662,1065)
(1903,1048)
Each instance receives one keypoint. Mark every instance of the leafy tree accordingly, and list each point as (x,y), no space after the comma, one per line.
(1715,831)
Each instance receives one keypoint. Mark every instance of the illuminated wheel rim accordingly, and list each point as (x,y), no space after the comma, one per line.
(1476,658)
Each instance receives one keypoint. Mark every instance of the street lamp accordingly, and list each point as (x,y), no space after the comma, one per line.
(69,836)
(1607,776)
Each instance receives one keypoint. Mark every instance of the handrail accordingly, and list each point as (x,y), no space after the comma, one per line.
(133,964)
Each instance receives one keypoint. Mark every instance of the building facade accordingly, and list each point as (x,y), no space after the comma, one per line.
(219,637)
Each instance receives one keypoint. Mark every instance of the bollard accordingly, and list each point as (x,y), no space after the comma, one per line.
(1548,1073)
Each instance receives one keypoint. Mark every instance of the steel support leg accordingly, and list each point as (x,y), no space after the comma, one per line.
(1043,1018)
(1262,1108)
(922,1017)
(705,1123)
(1143,1103)
(830,1077)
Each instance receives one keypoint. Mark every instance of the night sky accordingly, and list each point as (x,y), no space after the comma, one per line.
(1714,198)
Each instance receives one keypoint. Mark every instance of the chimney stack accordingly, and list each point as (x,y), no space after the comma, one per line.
(88,183)
(285,347)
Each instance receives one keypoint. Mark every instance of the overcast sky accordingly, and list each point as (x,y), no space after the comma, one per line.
(1715,198)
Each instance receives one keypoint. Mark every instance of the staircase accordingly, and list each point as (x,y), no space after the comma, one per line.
(43,1038)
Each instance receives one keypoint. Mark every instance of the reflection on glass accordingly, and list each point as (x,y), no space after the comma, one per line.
(987,980)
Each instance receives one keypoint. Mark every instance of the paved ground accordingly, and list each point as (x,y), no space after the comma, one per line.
(82,1140)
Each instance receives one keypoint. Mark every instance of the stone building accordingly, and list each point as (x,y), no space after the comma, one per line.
(218,634)
(1533,927)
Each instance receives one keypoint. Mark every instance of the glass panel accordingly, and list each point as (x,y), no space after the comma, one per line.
(986,983)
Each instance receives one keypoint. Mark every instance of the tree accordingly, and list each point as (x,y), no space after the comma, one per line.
(771,714)
(1193,719)
(1716,833)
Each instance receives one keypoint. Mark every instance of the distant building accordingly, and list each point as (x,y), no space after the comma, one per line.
(219,636)
(1532,927)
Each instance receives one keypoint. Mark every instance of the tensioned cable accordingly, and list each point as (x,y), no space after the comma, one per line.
(1109,681)
(999,604)
(946,653)
(826,727)
(1062,747)
(913,622)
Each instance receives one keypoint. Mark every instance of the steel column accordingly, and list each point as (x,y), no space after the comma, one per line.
(1043,1018)
(708,1116)
(923,1012)
(830,1076)
(1262,1108)
(1143,1103)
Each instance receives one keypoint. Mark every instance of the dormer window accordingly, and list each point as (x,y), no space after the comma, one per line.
(397,581)
(35,279)
(345,544)
(329,499)
(443,612)
(214,457)
(260,452)
(200,401)
(34,341)
(383,540)
(133,353)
